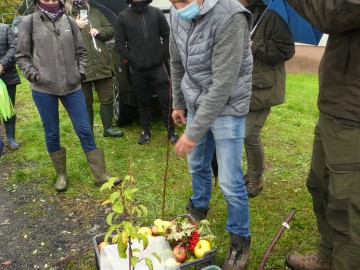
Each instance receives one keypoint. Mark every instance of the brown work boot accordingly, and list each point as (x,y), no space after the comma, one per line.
(239,254)
(306,262)
(254,187)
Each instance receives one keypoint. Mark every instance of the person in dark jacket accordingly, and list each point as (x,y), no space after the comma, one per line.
(52,56)
(96,30)
(10,77)
(334,177)
(142,39)
(272,45)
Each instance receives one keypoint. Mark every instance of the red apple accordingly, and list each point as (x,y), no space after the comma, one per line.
(154,230)
(180,253)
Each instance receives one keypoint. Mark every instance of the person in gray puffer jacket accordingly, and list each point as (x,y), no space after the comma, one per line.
(10,77)
(211,71)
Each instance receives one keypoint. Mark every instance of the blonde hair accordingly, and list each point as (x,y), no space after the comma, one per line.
(69,5)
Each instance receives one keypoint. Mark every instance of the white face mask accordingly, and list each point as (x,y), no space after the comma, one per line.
(188,12)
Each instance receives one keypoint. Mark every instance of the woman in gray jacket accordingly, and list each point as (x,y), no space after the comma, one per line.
(52,56)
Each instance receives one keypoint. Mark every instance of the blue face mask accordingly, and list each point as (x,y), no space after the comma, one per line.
(188,12)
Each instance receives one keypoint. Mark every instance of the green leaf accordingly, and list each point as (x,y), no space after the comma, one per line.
(134,250)
(107,235)
(118,207)
(112,180)
(143,209)
(205,222)
(144,239)
(106,185)
(156,256)
(149,263)
(122,249)
(109,218)
(114,196)
(134,260)
(129,229)
(138,211)
(128,194)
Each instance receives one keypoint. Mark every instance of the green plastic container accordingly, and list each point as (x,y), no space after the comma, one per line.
(212,267)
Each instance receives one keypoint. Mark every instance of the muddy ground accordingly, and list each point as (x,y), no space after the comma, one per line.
(39,231)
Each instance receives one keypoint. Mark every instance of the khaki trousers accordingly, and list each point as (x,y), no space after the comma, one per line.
(255,121)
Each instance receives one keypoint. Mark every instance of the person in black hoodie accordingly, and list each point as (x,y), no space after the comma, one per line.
(142,40)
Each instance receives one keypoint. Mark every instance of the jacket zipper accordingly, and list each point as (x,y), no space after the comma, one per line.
(145,37)
(57,34)
(191,30)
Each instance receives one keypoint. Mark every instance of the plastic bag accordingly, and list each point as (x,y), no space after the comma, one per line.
(6,107)
(110,260)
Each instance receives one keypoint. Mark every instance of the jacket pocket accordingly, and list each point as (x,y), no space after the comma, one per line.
(263,80)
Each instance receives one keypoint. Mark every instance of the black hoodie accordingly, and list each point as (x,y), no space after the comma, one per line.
(142,37)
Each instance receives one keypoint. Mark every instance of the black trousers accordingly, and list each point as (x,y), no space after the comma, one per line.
(146,83)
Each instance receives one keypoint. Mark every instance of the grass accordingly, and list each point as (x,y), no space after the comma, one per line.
(287,138)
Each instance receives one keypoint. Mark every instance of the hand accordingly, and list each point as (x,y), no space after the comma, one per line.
(184,146)
(178,117)
(93,32)
(2,69)
(82,22)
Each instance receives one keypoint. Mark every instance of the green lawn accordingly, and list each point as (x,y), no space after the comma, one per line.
(287,138)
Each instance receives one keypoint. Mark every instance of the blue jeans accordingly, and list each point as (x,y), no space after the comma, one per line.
(226,135)
(74,103)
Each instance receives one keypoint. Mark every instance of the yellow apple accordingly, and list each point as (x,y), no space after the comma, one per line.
(201,247)
(145,231)
(159,224)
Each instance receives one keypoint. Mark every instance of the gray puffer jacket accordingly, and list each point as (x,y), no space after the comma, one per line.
(7,55)
(211,64)
(54,51)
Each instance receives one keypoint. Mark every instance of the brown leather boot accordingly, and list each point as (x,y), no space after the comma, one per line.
(306,262)
(239,253)
(254,187)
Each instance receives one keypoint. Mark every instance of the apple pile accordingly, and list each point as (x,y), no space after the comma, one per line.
(189,240)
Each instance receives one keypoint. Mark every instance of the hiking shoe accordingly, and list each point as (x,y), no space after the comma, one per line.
(253,188)
(239,253)
(173,138)
(145,136)
(196,213)
(306,262)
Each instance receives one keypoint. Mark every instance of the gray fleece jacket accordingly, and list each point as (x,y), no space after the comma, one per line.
(211,64)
